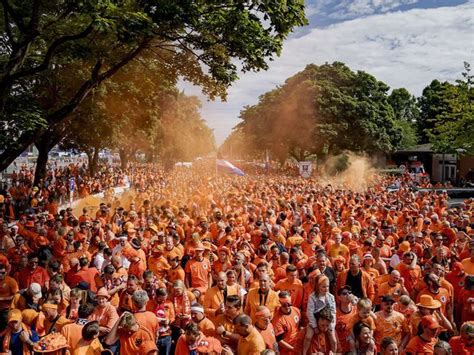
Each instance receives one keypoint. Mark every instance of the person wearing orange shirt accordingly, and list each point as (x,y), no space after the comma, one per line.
(33,274)
(214,299)
(425,342)
(158,263)
(104,312)
(250,341)
(8,289)
(131,335)
(73,332)
(409,270)
(125,296)
(194,342)
(345,311)
(286,324)
(264,325)
(198,272)
(145,319)
(261,296)
(205,326)
(338,248)
(292,285)
(468,263)
(438,293)
(390,323)
(394,287)
(359,281)
(463,344)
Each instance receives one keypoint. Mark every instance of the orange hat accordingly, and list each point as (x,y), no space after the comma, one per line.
(200,246)
(102,292)
(404,246)
(426,301)
(30,224)
(14,316)
(429,322)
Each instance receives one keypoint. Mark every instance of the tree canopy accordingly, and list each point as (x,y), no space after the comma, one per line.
(201,41)
(326,108)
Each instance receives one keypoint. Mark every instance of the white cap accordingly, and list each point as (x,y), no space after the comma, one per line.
(35,290)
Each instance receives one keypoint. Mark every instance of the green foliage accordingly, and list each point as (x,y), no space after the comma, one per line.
(452,128)
(323,109)
(88,41)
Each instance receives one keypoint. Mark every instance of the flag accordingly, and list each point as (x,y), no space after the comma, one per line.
(228,168)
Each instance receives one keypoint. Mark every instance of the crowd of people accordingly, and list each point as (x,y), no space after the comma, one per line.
(205,264)
(61,185)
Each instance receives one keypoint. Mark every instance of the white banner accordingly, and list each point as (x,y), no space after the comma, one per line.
(306,168)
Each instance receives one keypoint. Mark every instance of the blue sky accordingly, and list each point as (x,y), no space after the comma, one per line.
(405,43)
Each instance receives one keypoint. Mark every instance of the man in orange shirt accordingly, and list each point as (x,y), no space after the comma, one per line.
(286,323)
(264,325)
(8,289)
(130,334)
(394,287)
(214,299)
(261,296)
(409,270)
(439,293)
(425,342)
(463,344)
(293,285)
(194,342)
(73,332)
(198,272)
(204,324)
(390,323)
(33,274)
(145,319)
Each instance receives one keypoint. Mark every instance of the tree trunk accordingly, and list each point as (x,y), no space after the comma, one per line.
(124,157)
(41,161)
(95,159)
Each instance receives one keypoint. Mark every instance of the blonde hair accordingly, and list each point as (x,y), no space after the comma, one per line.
(364,303)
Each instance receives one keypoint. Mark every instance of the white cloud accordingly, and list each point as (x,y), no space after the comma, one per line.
(404,49)
(355,8)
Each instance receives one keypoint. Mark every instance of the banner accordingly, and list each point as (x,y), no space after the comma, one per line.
(306,167)
(228,168)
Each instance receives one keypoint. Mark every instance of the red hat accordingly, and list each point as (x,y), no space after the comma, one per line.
(429,322)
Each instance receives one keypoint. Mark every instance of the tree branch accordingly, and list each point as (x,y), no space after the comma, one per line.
(49,55)
(16,19)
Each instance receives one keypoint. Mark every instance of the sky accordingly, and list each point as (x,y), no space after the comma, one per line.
(405,43)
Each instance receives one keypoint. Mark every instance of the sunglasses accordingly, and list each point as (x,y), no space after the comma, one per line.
(345,293)
(286,304)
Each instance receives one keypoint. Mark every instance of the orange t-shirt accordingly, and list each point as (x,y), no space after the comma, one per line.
(417,346)
(342,328)
(8,288)
(458,346)
(268,336)
(149,321)
(288,326)
(130,343)
(394,326)
(199,271)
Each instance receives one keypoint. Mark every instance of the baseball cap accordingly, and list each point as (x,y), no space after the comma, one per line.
(35,290)
(14,315)
(429,322)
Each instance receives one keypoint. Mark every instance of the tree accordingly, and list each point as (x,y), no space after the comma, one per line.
(453,127)
(407,113)
(198,40)
(431,104)
(322,110)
